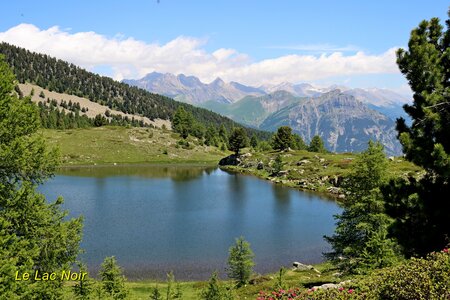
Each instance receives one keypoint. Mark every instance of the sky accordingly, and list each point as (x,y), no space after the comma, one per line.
(346,42)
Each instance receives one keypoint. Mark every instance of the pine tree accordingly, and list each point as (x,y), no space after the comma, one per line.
(113,281)
(213,291)
(156,294)
(254,141)
(298,143)
(83,289)
(283,139)
(240,262)
(238,139)
(361,239)
(223,134)
(182,122)
(317,145)
(211,138)
(278,164)
(421,207)
(34,235)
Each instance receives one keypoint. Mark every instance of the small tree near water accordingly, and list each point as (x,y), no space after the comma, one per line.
(240,261)
(113,281)
(278,164)
(212,292)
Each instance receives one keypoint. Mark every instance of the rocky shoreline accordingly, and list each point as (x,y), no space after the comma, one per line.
(297,176)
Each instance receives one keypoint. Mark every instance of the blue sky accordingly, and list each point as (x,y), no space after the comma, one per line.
(344,42)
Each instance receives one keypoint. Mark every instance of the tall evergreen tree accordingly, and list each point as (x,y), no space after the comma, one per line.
(317,145)
(34,235)
(283,139)
(182,122)
(361,238)
(254,141)
(298,143)
(238,139)
(421,207)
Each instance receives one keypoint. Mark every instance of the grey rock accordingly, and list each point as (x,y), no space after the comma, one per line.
(302,267)
(260,165)
(231,160)
(303,162)
(334,190)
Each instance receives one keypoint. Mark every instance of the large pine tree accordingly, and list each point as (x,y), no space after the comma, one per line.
(420,206)
(34,235)
(361,241)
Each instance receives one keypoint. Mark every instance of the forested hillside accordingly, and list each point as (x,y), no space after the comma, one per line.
(63,77)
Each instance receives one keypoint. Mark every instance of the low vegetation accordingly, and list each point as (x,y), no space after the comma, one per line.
(320,172)
(120,145)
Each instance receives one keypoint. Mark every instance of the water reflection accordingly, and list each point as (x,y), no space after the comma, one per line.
(154,219)
(178,172)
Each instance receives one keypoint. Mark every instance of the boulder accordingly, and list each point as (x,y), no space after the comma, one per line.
(301,267)
(336,180)
(231,160)
(303,162)
(327,286)
(333,190)
(260,165)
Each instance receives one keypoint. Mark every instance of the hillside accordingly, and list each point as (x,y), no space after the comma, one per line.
(345,124)
(110,145)
(62,77)
(91,108)
(253,110)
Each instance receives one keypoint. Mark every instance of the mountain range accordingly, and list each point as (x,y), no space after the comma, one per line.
(191,90)
(345,118)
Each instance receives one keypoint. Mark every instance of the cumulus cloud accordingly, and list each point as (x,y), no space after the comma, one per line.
(319,48)
(131,58)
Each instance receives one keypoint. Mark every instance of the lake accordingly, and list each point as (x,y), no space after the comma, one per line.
(184,218)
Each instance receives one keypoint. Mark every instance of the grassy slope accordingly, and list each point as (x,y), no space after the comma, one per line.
(192,289)
(109,145)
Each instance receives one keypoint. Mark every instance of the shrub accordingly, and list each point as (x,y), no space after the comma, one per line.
(418,278)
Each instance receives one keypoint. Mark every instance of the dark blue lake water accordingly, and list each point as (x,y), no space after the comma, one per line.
(155,218)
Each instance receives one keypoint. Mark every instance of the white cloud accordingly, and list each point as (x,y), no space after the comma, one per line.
(319,48)
(131,58)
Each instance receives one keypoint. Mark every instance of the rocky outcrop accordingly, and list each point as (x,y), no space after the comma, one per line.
(231,160)
(302,267)
(344,123)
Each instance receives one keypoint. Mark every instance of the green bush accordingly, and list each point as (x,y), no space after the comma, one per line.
(418,278)
(422,278)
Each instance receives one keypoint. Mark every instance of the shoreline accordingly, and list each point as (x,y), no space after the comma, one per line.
(141,164)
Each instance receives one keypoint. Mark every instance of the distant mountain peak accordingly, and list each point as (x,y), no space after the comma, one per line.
(218,81)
